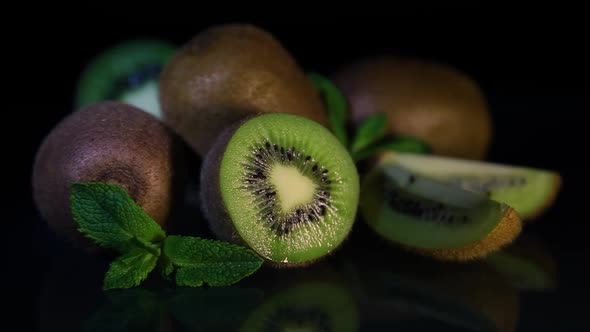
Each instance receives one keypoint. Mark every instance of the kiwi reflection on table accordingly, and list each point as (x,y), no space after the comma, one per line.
(367,289)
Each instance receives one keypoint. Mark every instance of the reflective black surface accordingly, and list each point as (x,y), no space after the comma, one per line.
(533,69)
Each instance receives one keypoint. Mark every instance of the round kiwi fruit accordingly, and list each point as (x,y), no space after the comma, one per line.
(127,72)
(108,142)
(422,99)
(227,72)
(528,190)
(433,217)
(281,184)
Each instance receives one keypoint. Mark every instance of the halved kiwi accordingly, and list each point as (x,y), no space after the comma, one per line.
(434,217)
(283,185)
(306,306)
(528,190)
(127,72)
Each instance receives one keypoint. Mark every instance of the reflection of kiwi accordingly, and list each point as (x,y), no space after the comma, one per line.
(127,72)
(529,191)
(227,72)
(105,142)
(469,296)
(433,217)
(527,264)
(281,184)
(423,99)
(306,306)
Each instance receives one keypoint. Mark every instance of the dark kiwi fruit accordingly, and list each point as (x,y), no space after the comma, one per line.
(422,99)
(106,142)
(528,190)
(432,217)
(227,72)
(281,184)
(127,72)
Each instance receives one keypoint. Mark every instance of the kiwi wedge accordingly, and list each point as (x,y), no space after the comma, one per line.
(433,217)
(127,72)
(109,142)
(528,190)
(227,72)
(281,184)
(306,306)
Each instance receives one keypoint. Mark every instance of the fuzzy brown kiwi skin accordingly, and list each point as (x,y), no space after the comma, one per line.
(428,100)
(227,72)
(212,205)
(108,142)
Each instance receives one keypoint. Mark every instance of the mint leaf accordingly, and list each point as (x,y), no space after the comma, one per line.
(129,269)
(396,144)
(217,263)
(335,104)
(106,214)
(369,131)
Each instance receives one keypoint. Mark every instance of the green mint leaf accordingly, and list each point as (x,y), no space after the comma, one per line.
(216,263)
(335,104)
(398,144)
(106,214)
(371,130)
(129,269)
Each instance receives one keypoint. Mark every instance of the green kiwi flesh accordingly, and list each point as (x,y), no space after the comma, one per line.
(528,190)
(309,306)
(127,72)
(282,184)
(421,212)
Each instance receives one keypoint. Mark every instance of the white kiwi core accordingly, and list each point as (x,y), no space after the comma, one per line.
(292,187)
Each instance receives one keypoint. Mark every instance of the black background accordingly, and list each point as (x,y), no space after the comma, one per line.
(531,63)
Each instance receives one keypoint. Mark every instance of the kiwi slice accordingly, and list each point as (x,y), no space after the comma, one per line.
(308,306)
(283,185)
(528,190)
(127,72)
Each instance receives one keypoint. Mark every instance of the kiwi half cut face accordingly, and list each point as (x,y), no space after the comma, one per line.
(529,191)
(127,72)
(423,213)
(282,184)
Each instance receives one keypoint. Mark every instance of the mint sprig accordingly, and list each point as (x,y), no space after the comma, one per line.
(335,103)
(106,214)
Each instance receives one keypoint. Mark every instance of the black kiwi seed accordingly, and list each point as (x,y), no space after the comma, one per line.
(283,222)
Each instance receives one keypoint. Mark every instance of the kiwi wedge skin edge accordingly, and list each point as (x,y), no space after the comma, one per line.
(233,213)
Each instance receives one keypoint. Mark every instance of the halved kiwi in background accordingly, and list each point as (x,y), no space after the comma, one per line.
(433,217)
(528,190)
(107,142)
(227,72)
(283,185)
(431,101)
(127,72)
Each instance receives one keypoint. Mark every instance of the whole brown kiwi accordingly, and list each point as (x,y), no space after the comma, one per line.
(227,72)
(428,100)
(108,142)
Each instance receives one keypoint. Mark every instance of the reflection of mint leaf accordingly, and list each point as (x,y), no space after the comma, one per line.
(396,144)
(126,310)
(217,263)
(106,214)
(213,308)
(369,131)
(335,104)
(129,269)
